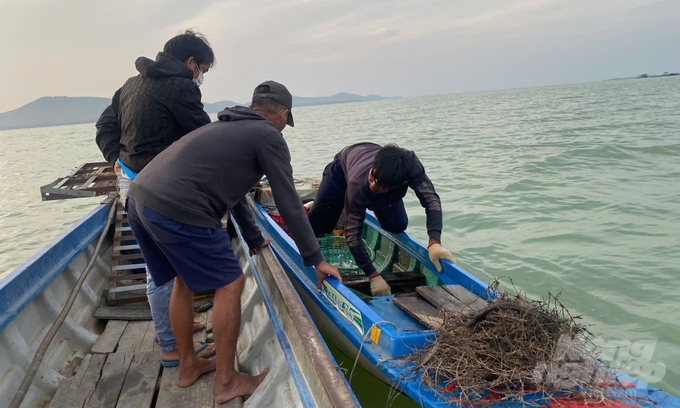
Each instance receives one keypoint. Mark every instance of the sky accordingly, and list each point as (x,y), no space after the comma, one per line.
(321,47)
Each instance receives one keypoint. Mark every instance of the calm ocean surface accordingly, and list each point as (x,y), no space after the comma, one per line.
(572,189)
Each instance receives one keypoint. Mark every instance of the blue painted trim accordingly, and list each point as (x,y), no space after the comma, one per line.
(31,278)
(299,379)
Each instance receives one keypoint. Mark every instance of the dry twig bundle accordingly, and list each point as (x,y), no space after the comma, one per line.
(515,351)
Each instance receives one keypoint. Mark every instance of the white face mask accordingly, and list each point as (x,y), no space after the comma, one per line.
(199,81)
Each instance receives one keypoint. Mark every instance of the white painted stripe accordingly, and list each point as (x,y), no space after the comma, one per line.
(125,247)
(126,288)
(130,266)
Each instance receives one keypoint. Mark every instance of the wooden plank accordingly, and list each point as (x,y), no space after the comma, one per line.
(131,288)
(420,310)
(132,337)
(72,367)
(109,386)
(134,276)
(87,183)
(201,335)
(123,238)
(126,256)
(208,321)
(107,341)
(74,391)
(472,301)
(137,311)
(440,298)
(140,382)
(148,341)
(198,395)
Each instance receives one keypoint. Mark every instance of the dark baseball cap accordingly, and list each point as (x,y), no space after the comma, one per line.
(277,92)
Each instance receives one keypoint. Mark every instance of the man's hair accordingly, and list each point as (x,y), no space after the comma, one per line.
(269,105)
(390,166)
(190,44)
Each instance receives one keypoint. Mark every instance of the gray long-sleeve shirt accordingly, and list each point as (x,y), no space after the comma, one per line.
(356,161)
(210,170)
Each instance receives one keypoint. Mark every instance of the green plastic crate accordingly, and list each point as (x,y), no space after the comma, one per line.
(337,253)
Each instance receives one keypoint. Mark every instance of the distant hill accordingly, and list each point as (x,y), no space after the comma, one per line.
(54,110)
(341,97)
(219,106)
(65,110)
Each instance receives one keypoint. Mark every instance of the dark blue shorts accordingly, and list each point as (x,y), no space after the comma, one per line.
(201,257)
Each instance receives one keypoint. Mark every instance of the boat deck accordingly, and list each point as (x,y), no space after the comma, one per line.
(124,371)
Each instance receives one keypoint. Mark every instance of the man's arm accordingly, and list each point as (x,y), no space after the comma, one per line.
(188,109)
(354,228)
(108,131)
(274,157)
(244,218)
(429,199)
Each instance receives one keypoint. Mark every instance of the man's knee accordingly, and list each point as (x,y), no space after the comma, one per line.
(235,287)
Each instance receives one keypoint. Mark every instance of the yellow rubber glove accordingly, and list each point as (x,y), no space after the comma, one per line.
(438,252)
(379,287)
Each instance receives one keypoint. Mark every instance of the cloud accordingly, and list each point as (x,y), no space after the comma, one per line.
(319,47)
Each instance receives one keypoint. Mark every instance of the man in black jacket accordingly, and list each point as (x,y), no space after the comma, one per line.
(369,176)
(147,114)
(157,107)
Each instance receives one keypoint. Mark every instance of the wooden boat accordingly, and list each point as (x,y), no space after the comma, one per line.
(121,366)
(380,330)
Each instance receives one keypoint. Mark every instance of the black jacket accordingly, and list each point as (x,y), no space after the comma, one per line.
(356,162)
(209,171)
(150,112)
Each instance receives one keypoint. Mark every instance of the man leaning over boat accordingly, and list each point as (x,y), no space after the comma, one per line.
(175,209)
(148,113)
(368,176)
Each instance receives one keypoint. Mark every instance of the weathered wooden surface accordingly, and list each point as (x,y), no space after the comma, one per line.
(140,311)
(419,310)
(134,311)
(149,341)
(208,321)
(75,391)
(107,341)
(140,382)
(466,297)
(440,298)
(109,385)
(201,335)
(198,395)
(131,340)
(72,367)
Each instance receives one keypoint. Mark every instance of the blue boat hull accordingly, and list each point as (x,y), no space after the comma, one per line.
(276,331)
(376,329)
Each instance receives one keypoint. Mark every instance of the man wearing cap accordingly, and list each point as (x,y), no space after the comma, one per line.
(175,208)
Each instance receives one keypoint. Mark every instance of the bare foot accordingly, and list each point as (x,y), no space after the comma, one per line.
(174,354)
(189,374)
(240,385)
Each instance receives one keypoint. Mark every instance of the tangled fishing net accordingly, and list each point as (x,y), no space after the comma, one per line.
(515,351)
